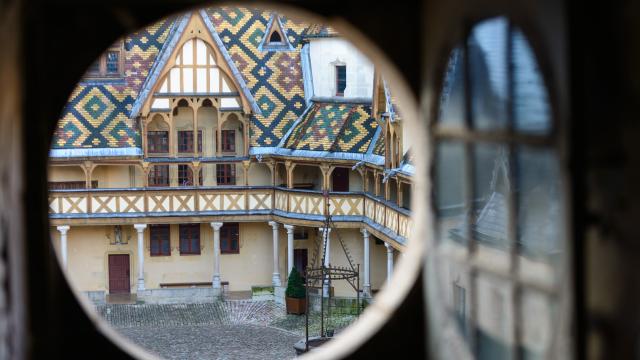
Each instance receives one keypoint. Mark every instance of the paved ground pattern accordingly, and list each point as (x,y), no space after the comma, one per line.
(214,341)
(239,329)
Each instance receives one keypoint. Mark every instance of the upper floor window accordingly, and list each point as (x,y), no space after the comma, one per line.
(226,174)
(189,239)
(341,79)
(110,64)
(159,175)
(185,175)
(158,141)
(185,141)
(160,240)
(230,238)
(228,140)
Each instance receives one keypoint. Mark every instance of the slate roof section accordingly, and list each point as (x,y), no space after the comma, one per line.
(319,31)
(334,127)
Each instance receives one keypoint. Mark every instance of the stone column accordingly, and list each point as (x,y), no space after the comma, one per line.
(326,243)
(275,280)
(140,229)
(63,244)
(366,286)
(389,260)
(215,283)
(289,248)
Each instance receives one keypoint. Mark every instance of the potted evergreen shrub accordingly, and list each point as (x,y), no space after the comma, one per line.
(295,294)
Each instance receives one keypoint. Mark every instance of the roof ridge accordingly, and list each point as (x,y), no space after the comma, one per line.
(313,113)
(161,58)
(342,127)
(285,137)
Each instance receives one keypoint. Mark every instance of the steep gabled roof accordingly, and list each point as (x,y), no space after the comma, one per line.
(274,78)
(170,51)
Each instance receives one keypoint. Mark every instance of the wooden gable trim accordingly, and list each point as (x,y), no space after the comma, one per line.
(196,28)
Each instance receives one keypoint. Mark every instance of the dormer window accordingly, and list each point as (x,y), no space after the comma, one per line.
(109,64)
(275,38)
(341,79)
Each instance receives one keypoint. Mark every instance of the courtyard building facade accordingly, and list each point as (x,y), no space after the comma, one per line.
(203,153)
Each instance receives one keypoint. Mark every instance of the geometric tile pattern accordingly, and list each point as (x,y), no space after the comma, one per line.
(334,127)
(379,148)
(97,113)
(274,78)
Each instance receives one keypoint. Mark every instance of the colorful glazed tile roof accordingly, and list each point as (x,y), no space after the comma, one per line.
(274,78)
(379,148)
(335,127)
(97,114)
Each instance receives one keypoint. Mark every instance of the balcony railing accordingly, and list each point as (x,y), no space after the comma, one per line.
(384,217)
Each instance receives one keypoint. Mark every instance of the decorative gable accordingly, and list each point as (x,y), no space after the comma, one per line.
(196,66)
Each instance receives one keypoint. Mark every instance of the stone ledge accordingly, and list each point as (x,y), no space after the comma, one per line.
(179,296)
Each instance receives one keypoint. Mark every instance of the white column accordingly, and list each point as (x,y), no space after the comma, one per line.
(326,242)
(367,254)
(140,229)
(289,248)
(275,280)
(63,244)
(389,260)
(215,283)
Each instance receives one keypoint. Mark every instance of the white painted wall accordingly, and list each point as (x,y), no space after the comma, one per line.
(326,54)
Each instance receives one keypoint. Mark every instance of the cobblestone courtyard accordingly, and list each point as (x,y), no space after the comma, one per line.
(239,329)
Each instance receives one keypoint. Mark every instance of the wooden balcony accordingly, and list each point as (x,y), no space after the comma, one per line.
(102,206)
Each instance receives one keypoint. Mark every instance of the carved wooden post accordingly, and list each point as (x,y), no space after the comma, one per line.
(289,166)
(245,168)
(326,172)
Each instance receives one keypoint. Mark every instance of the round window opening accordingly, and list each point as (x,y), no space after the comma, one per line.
(234,175)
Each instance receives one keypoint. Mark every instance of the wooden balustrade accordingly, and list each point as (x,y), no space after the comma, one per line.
(238,200)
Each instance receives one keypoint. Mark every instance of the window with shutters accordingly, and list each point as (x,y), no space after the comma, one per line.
(189,239)
(160,240)
(230,238)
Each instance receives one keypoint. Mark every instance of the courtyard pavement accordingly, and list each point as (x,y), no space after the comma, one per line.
(214,341)
(237,329)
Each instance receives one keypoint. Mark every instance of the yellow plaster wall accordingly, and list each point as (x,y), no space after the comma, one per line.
(355,181)
(306,174)
(88,249)
(65,173)
(208,123)
(259,175)
(112,176)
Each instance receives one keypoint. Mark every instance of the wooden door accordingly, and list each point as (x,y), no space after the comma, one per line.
(119,274)
(340,179)
(300,260)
